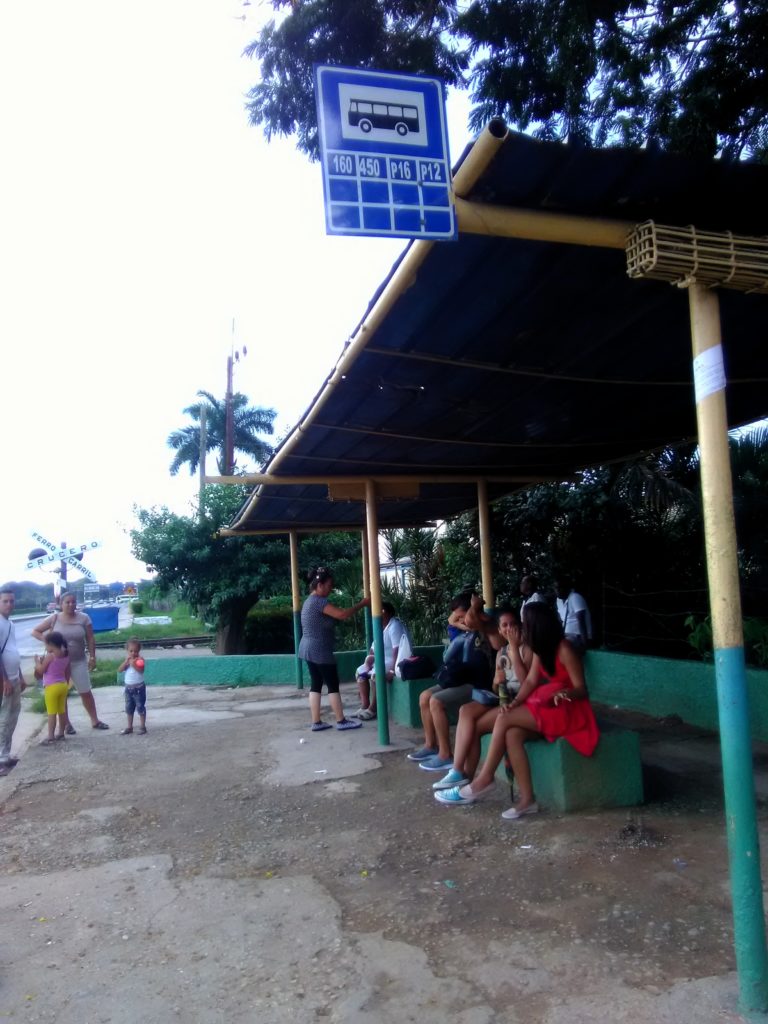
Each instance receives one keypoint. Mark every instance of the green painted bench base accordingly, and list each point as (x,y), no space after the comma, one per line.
(404,700)
(564,780)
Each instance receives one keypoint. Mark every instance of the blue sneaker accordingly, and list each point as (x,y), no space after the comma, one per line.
(436,764)
(319,726)
(453,796)
(453,778)
(462,794)
(347,723)
(421,754)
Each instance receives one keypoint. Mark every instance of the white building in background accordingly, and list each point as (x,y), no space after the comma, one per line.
(396,573)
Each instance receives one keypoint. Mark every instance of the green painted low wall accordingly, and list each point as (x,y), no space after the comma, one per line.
(232,670)
(662,686)
(249,669)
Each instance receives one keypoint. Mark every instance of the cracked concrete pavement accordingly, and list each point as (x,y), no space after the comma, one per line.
(220,869)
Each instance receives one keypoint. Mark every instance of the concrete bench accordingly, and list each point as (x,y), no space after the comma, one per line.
(404,700)
(564,780)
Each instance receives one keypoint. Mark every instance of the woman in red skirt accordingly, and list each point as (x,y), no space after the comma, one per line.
(552,702)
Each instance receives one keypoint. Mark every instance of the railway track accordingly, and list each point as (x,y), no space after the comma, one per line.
(163,641)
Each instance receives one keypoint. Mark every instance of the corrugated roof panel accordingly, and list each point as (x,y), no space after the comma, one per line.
(519,358)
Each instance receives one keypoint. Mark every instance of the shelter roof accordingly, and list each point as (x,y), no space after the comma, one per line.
(525,360)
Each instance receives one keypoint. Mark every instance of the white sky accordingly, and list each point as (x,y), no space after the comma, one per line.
(140,214)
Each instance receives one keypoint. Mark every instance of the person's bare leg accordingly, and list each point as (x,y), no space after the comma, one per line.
(520,717)
(441,729)
(314,706)
(520,766)
(484,724)
(89,704)
(430,737)
(372,705)
(334,699)
(364,689)
(465,734)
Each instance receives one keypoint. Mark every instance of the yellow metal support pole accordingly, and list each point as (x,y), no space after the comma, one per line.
(728,642)
(541,225)
(296,604)
(486,567)
(367,591)
(382,696)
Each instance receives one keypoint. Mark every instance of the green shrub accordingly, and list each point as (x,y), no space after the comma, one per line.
(137,607)
(755,639)
(269,627)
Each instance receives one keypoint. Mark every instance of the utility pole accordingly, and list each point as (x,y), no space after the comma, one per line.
(229,420)
(203,450)
(229,423)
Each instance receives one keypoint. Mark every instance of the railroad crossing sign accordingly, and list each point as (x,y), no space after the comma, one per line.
(384,154)
(62,554)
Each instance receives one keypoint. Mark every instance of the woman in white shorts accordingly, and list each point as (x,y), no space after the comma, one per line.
(77,629)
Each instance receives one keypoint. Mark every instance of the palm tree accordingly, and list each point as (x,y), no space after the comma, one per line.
(248,422)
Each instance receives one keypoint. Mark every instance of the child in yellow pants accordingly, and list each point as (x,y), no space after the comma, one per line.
(54,671)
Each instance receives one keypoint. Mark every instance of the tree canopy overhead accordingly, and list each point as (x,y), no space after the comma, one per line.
(688,76)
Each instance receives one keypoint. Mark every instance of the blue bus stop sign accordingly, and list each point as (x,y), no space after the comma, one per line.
(384,154)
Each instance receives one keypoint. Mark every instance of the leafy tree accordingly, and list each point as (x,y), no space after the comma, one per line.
(248,422)
(749,466)
(689,76)
(399,35)
(223,577)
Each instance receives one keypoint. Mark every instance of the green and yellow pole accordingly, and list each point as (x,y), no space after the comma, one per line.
(296,605)
(367,593)
(486,566)
(728,641)
(382,696)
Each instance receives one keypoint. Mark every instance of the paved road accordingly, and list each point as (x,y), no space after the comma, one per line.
(26,642)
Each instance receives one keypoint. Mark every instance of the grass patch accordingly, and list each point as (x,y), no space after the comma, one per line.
(183,624)
(33,695)
(105,674)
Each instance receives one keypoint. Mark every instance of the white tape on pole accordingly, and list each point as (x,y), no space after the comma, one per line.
(708,372)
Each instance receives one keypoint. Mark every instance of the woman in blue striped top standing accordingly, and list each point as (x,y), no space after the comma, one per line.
(318,633)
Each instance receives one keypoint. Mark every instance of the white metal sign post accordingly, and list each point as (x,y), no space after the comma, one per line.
(384,153)
(64,555)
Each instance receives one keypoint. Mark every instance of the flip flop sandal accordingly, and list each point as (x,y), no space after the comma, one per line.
(101,725)
(71,731)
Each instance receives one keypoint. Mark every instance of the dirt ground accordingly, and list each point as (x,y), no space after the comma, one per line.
(233,866)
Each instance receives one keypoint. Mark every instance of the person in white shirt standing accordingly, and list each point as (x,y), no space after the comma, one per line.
(574,615)
(529,591)
(12,680)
